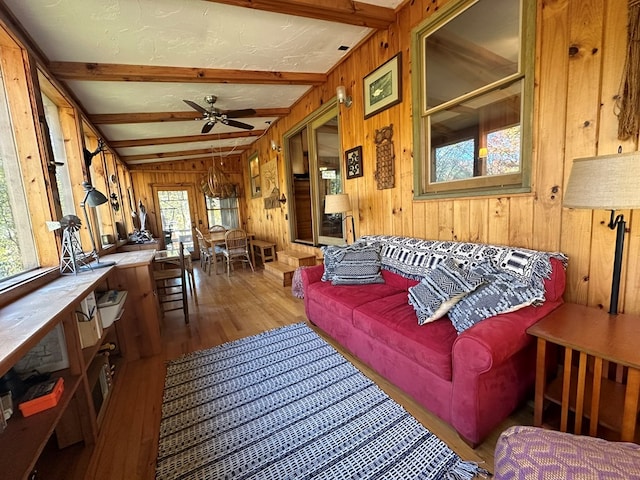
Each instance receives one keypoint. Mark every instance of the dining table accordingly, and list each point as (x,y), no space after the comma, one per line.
(217,238)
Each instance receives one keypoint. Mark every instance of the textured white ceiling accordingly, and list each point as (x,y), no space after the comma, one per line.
(182,33)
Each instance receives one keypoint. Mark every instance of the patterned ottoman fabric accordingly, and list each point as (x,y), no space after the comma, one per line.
(534,453)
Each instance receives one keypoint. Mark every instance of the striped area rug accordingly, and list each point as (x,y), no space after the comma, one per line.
(285,404)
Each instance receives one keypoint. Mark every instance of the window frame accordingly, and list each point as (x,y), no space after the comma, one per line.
(423,155)
(236,208)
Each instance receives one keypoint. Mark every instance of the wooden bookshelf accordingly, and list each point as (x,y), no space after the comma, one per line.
(75,420)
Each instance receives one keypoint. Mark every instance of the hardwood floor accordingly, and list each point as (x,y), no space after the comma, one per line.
(227,309)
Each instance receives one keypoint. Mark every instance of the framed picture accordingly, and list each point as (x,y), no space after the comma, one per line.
(353,159)
(254,176)
(383,87)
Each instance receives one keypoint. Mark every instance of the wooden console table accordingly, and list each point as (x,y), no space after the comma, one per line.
(585,390)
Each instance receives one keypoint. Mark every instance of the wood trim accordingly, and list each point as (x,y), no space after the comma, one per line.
(343,11)
(150,73)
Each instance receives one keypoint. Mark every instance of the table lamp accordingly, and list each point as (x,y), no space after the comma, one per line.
(608,182)
(340,203)
(93,198)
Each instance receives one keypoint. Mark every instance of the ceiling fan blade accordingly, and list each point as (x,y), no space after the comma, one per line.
(197,107)
(247,112)
(207,127)
(235,123)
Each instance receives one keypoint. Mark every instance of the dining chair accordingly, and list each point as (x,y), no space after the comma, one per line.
(171,287)
(236,248)
(217,248)
(205,251)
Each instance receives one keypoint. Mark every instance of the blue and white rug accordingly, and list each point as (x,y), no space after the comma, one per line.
(285,404)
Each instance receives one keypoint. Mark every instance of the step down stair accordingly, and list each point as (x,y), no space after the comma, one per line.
(287,261)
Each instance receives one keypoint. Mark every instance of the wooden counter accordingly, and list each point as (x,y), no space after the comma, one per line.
(26,321)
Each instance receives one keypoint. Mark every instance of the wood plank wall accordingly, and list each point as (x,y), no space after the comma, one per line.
(580,54)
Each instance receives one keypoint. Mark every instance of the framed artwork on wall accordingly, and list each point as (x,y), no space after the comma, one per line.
(353,159)
(383,87)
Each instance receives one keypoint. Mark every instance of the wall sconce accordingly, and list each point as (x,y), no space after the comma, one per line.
(341,94)
(282,199)
(275,147)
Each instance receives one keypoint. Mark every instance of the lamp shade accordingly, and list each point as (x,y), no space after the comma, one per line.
(338,203)
(93,197)
(608,182)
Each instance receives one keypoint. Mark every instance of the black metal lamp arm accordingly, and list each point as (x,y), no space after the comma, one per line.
(617,223)
(353,226)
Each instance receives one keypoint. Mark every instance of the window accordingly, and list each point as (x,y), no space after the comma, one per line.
(474,98)
(254,175)
(223,211)
(63,178)
(17,246)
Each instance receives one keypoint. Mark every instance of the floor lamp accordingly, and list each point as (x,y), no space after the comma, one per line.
(340,203)
(93,198)
(607,182)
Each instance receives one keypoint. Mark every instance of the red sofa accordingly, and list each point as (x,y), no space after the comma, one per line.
(472,380)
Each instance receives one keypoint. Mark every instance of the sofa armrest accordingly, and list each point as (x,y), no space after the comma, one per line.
(311,275)
(496,339)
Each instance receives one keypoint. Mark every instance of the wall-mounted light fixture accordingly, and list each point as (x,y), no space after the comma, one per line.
(341,94)
(275,147)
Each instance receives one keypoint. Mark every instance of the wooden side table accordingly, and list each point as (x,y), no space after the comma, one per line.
(598,338)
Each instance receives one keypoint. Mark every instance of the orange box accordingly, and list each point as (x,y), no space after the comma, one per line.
(42,397)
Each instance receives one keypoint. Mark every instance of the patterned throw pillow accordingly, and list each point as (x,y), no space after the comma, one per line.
(440,289)
(502,292)
(354,264)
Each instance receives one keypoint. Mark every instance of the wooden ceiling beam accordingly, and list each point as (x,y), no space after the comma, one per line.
(114,72)
(149,117)
(159,163)
(181,153)
(145,142)
(342,11)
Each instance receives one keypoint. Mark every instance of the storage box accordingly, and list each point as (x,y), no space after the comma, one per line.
(88,321)
(111,304)
(42,396)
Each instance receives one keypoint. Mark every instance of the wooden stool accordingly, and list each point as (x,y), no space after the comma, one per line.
(265,250)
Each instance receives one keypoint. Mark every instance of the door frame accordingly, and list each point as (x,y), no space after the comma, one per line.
(194,205)
(323,113)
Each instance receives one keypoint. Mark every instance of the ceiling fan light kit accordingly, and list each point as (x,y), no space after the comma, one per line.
(214,115)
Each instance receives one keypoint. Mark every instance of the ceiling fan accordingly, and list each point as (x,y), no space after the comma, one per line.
(214,115)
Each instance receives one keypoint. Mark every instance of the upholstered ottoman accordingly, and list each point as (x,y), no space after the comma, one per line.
(534,453)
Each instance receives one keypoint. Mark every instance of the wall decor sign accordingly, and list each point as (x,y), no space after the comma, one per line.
(383,87)
(385,158)
(353,158)
(269,178)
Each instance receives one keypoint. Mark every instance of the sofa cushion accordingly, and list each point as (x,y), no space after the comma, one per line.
(502,292)
(354,264)
(340,300)
(440,289)
(392,321)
